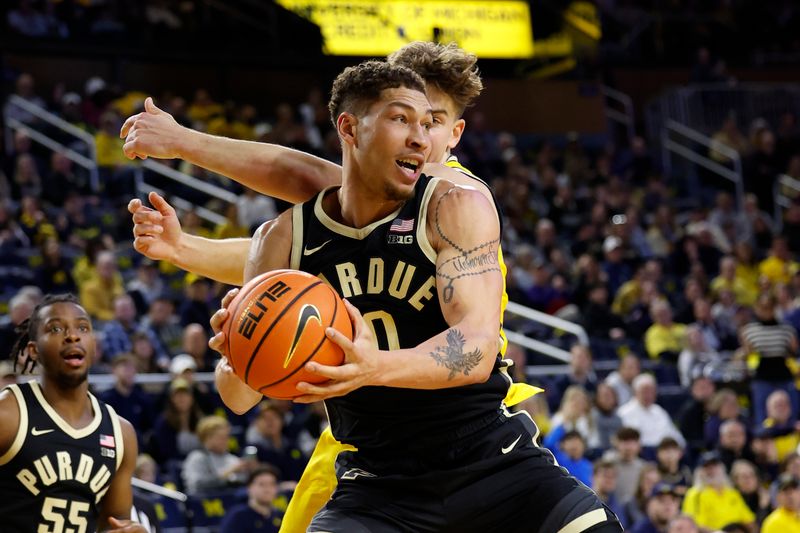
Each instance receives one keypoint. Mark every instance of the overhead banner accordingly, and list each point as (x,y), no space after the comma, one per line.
(490,29)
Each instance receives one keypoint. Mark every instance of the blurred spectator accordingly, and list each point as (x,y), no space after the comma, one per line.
(147,286)
(625,456)
(778,267)
(213,466)
(604,420)
(664,339)
(53,275)
(744,292)
(60,180)
(746,480)
(724,405)
(7,374)
(684,303)
(195,344)
(728,135)
(638,320)
(194,307)
(790,465)
(232,227)
(696,356)
(25,181)
(604,483)
(774,344)
(173,431)
(622,379)
(636,507)
(683,524)
(712,501)
(746,266)
(146,469)
(163,322)
(19,309)
(663,232)
(127,397)
(118,332)
(144,354)
(615,267)
(184,366)
(780,424)
(718,335)
(97,294)
(115,168)
(572,415)
(662,507)
(791,225)
(257,515)
(580,373)
(598,319)
(203,108)
(787,516)
(733,443)
(693,414)
(649,418)
(673,472)
(254,208)
(761,168)
(569,452)
(25,86)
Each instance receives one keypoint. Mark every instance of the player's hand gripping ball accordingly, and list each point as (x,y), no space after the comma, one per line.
(277,325)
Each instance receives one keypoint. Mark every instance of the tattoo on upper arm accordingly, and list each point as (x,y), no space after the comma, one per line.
(473,262)
(453,357)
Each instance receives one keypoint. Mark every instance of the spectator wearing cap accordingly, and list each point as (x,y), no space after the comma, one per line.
(621,379)
(184,366)
(644,414)
(604,484)
(173,431)
(787,516)
(665,339)
(774,344)
(625,456)
(673,472)
(127,397)
(259,514)
(662,507)
(746,480)
(712,501)
(733,443)
(614,265)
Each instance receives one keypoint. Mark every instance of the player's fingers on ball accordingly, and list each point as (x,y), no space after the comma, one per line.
(336,336)
(219,318)
(217,343)
(330,372)
(228,298)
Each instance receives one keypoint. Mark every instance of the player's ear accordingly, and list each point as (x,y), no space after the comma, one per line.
(347,127)
(30,352)
(456,133)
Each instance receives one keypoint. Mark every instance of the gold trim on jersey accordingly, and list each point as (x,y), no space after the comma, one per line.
(422,223)
(119,442)
(60,422)
(585,521)
(347,231)
(297,237)
(22,429)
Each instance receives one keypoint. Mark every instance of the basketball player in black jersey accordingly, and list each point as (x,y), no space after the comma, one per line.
(66,459)
(417,257)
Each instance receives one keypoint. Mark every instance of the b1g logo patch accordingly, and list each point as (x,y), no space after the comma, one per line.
(399,239)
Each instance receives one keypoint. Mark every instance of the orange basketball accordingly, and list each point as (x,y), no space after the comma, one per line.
(277,324)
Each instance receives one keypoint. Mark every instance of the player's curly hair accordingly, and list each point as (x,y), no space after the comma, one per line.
(449,68)
(28,329)
(357,87)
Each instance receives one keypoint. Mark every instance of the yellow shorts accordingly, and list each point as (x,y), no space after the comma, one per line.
(319,478)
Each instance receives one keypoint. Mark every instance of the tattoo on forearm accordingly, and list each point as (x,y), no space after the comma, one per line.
(453,357)
(473,262)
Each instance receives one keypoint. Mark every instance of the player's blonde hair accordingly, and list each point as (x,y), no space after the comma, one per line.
(449,68)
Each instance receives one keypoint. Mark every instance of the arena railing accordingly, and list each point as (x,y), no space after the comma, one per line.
(671,136)
(626,116)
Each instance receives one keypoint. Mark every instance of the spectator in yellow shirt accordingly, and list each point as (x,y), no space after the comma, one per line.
(712,501)
(746,266)
(778,267)
(786,517)
(664,339)
(98,293)
(744,292)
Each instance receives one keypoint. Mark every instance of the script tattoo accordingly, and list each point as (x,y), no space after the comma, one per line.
(473,262)
(452,356)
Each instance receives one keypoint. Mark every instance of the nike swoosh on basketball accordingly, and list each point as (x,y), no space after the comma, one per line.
(36,432)
(308,312)
(309,251)
(510,446)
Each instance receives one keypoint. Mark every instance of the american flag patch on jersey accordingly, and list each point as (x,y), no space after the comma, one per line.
(107,440)
(402,225)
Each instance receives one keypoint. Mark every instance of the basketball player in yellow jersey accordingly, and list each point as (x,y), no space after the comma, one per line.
(453,84)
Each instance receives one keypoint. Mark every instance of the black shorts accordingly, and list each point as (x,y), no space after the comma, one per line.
(497,480)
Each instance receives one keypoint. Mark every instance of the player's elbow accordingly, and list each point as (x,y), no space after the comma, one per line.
(488,347)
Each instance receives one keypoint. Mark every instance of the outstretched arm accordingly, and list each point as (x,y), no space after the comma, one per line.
(270,169)
(157,234)
(464,231)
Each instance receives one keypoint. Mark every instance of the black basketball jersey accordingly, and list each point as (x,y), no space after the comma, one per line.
(53,476)
(388,271)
